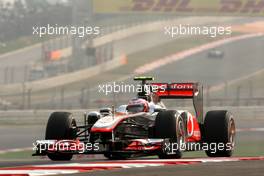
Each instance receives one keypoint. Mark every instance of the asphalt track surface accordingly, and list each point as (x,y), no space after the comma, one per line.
(150,167)
(247,168)
(19,60)
(241,58)
(20,136)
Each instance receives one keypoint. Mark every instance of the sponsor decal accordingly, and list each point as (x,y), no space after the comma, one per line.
(184,7)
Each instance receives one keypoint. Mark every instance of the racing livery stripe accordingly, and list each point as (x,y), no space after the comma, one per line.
(72,168)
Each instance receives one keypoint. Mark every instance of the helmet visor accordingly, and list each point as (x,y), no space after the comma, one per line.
(135,108)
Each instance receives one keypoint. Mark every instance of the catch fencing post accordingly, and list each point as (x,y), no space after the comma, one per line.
(87,97)
(208,95)
(25,73)
(82,98)
(12,75)
(29,98)
(250,89)
(6,75)
(23,96)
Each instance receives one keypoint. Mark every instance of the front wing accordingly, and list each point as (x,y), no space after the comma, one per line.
(144,146)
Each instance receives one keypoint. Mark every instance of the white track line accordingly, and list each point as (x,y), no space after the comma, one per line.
(120,165)
(15,150)
(37,172)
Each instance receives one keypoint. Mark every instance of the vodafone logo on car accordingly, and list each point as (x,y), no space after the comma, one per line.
(181,86)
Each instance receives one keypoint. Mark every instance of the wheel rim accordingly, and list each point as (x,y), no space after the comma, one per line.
(232,133)
(180,133)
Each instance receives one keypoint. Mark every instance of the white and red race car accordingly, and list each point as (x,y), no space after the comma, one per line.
(163,132)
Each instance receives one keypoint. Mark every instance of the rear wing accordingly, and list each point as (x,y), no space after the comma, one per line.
(182,91)
(175,90)
(192,91)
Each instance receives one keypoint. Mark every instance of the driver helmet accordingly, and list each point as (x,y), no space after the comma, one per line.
(137,105)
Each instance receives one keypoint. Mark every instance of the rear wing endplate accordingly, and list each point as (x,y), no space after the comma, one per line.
(182,91)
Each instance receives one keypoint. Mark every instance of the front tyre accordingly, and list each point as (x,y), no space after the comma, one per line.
(170,125)
(60,127)
(219,131)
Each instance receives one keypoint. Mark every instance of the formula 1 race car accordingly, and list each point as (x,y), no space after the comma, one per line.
(163,132)
(216,54)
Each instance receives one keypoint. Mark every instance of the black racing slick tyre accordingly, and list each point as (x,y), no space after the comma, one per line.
(170,126)
(60,127)
(219,133)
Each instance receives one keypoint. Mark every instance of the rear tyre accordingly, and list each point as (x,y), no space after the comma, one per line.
(219,131)
(60,127)
(169,125)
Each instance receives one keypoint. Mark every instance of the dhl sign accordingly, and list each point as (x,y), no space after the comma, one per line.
(184,7)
